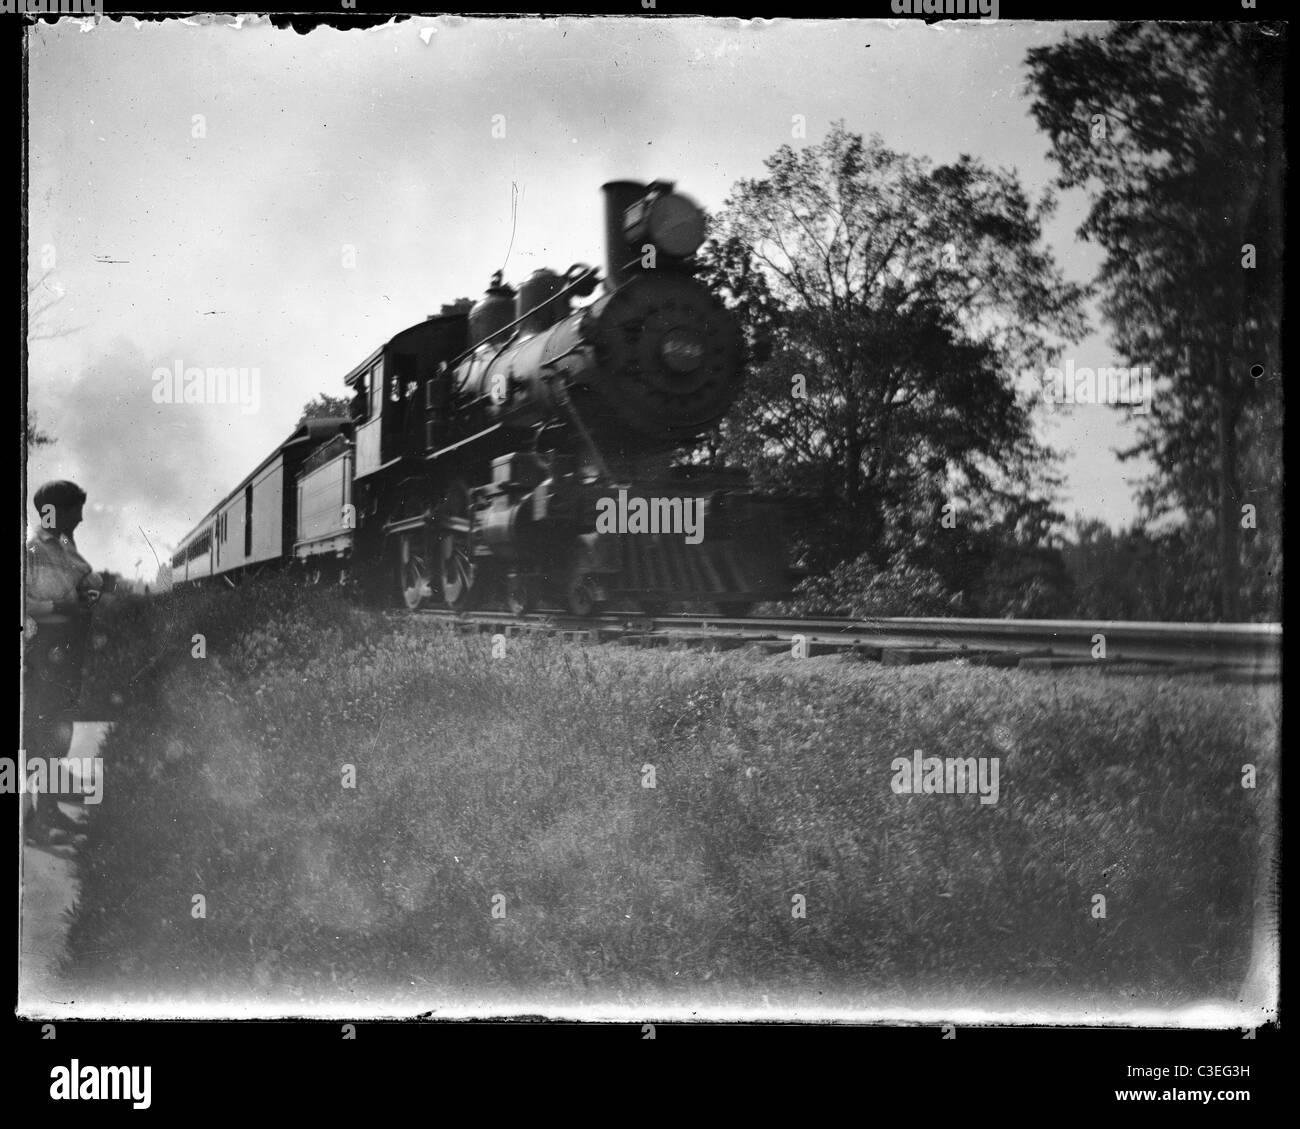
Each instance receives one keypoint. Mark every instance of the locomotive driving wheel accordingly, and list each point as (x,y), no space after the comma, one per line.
(414,571)
(460,575)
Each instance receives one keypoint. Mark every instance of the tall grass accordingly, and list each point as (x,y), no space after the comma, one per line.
(518,783)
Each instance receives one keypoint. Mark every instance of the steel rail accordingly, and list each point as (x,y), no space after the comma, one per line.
(1250,647)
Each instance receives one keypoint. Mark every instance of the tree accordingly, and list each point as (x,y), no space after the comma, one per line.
(324,407)
(33,435)
(1177,132)
(888,306)
(42,296)
(1137,573)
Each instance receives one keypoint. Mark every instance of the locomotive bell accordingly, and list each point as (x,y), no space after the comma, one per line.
(493,312)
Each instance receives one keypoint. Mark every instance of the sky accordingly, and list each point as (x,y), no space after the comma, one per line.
(212,195)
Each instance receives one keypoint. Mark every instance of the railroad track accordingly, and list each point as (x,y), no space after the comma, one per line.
(1232,652)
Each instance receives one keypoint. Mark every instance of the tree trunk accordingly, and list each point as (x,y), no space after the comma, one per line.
(1229,508)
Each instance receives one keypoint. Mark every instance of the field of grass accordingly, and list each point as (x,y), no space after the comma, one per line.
(500,842)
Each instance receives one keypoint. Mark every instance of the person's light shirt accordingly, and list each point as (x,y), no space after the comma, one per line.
(56,573)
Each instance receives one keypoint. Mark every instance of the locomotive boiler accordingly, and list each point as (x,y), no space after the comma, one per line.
(526,449)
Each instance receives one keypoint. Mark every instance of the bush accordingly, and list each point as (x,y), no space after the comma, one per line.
(855,588)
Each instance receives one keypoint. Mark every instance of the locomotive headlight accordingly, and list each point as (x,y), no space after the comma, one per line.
(672,222)
(682,350)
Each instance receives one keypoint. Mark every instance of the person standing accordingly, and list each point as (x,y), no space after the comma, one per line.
(60,589)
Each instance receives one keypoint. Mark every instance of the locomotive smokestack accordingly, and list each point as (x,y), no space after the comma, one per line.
(619,196)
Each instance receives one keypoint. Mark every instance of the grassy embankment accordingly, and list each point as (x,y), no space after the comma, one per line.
(523,776)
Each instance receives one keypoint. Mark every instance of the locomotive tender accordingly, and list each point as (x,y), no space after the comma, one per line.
(501,450)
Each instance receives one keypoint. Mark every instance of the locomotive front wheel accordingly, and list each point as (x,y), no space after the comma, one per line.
(522,595)
(460,587)
(413,573)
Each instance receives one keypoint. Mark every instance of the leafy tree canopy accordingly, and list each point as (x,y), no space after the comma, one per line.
(889,306)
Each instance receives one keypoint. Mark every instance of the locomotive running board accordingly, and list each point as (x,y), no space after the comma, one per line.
(405,525)
(463,442)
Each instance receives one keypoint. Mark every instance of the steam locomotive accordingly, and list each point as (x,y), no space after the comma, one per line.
(523,450)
